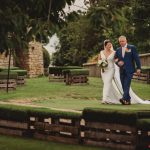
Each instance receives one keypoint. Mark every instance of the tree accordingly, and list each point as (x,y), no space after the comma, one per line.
(22,21)
(46,58)
(25,20)
(141,23)
(76,43)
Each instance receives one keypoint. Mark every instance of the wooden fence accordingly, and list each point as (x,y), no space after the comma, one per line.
(145,59)
(56,129)
(79,131)
(94,71)
(12,83)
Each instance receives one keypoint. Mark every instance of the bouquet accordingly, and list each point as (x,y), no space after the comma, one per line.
(103,63)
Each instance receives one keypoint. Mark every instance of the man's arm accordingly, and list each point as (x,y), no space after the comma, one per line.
(137,60)
(118,62)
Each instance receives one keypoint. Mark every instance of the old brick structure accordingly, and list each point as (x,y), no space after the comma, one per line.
(4,61)
(31,60)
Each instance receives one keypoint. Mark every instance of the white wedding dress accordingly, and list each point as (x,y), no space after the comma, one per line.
(112,88)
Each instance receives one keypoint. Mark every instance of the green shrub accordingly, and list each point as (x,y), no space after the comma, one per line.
(143,124)
(14,113)
(143,114)
(44,112)
(20,72)
(110,116)
(22,113)
(76,71)
(46,58)
(4,75)
(58,70)
(11,68)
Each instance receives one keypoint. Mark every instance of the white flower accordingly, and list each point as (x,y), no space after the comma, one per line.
(102,63)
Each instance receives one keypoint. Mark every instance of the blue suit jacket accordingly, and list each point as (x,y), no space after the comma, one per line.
(131,58)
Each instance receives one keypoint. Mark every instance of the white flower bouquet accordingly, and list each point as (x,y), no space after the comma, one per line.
(103,63)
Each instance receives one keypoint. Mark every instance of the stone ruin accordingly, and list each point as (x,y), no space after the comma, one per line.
(31,60)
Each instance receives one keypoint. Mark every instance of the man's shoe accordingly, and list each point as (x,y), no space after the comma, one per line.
(124,102)
(121,101)
(127,103)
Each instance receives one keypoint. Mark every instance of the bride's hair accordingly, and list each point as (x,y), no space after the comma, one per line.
(107,41)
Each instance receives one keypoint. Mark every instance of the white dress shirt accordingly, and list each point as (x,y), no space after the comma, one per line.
(123,50)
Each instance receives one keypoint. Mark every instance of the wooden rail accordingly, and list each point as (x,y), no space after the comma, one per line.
(11,84)
(79,131)
(76,79)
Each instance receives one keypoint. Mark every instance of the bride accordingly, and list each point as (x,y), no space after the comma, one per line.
(112,88)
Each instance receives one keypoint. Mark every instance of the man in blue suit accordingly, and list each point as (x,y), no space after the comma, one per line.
(126,57)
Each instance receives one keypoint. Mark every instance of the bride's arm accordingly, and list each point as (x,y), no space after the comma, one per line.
(99,56)
(115,58)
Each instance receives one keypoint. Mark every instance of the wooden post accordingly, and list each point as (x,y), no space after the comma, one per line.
(8,70)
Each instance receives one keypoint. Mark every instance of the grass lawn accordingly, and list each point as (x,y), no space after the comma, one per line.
(39,91)
(15,143)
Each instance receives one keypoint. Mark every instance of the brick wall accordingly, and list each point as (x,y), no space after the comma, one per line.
(4,61)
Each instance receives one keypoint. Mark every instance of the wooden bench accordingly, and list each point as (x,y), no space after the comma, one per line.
(21,80)
(56,72)
(12,82)
(20,75)
(74,76)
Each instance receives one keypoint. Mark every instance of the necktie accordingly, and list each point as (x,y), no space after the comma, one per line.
(123,51)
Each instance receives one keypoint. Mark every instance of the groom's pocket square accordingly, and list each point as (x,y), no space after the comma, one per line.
(128,51)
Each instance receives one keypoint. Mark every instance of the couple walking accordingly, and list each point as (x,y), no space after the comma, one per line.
(118,72)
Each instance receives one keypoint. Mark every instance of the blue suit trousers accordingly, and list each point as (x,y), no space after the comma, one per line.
(126,78)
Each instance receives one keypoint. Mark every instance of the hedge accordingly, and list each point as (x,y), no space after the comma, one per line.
(76,71)
(59,69)
(12,75)
(110,116)
(11,68)
(14,113)
(21,113)
(20,72)
(143,124)
(143,114)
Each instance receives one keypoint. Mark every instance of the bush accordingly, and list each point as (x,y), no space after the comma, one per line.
(76,71)
(22,113)
(14,113)
(58,70)
(46,58)
(110,116)
(12,75)
(143,124)
(20,72)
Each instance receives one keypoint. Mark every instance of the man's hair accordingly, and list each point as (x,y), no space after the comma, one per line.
(122,37)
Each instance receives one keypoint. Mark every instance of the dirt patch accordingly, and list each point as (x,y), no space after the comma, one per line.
(24,101)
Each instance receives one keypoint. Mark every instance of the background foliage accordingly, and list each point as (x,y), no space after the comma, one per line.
(46,58)
(23,21)
(83,35)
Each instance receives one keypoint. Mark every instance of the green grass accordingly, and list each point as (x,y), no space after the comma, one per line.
(39,91)
(15,143)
